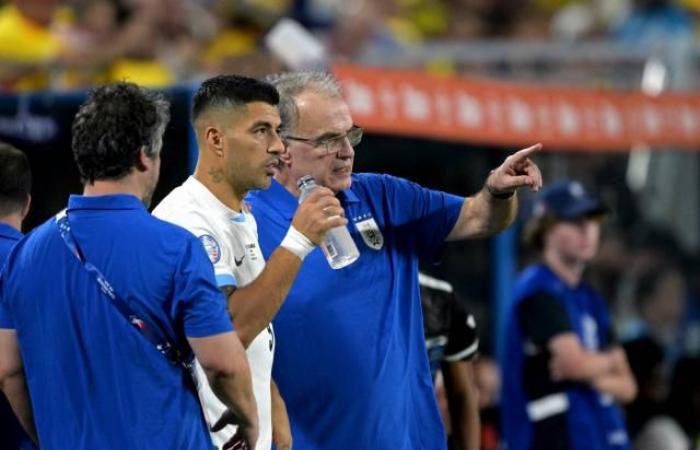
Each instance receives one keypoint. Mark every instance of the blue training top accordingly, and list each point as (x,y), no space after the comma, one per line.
(95,382)
(8,238)
(13,437)
(592,420)
(351,359)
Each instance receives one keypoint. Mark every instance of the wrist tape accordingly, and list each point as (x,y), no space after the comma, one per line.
(297,243)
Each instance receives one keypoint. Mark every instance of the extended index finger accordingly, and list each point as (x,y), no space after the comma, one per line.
(522,155)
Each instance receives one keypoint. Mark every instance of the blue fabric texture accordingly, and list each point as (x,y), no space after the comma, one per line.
(13,436)
(595,422)
(95,382)
(351,360)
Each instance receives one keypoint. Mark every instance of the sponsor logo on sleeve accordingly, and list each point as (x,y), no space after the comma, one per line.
(211,247)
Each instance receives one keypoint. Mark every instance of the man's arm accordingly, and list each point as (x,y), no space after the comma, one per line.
(462,402)
(12,381)
(493,209)
(224,361)
(545,322)
(253,306)
(571,361)
(281,429)
(620,383)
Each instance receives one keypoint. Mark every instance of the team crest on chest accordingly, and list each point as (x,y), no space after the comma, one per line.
(370,232)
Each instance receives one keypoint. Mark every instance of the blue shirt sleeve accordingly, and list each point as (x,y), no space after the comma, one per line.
(423,216)
(202,304)
(5,315)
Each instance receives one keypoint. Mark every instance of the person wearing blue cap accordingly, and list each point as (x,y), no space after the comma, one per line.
(564,374)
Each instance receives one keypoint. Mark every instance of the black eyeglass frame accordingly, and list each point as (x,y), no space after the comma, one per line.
(354,136)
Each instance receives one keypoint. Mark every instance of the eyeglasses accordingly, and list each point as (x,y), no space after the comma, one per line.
(332,144)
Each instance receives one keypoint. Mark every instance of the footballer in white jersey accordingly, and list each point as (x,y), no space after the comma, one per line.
(231,241)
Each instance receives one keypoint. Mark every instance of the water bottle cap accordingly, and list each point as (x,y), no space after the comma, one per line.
(306,180)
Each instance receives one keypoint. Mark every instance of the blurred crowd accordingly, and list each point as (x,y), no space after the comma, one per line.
(66,44)
(654,289)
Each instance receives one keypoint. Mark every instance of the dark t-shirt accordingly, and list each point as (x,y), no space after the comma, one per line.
(541,317)
(450,331)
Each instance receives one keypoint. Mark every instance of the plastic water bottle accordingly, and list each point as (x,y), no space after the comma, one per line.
(338,246)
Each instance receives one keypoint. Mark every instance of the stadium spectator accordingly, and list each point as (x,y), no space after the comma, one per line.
(684,399)
(650,426)
(665,314)
(28,45)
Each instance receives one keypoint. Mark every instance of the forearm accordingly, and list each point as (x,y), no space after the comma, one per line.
(620,386)
(253,306)
(464,417)
(484,215)
(571,361)
(236,392)
(585,367)
(499,212)
(281,429)
(463,405)
(619,383)
(15,389)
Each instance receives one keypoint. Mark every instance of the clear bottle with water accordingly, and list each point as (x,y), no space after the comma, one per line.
(338,246)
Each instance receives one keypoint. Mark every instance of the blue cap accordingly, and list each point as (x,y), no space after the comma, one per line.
(567,200)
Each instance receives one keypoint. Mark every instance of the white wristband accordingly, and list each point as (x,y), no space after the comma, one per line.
(297,243)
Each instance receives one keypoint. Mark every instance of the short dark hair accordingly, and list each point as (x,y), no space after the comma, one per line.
(232,91)
(112,125)
(15,179)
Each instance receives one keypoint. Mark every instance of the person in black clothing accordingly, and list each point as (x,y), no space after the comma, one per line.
(452,342)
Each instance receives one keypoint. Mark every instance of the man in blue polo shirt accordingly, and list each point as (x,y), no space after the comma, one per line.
(15,188)
(351,359)
(95,378)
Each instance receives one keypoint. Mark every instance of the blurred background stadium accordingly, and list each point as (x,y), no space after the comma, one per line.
(446,89)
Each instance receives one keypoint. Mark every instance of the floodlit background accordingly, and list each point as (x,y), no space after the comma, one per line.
(610,87)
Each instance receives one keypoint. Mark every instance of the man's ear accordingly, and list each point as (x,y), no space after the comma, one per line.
(144,161)
(27,205)
(215,140)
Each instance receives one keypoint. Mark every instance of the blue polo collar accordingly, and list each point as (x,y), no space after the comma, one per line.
(8,232)
(348,196)
(287,203)
(105,202)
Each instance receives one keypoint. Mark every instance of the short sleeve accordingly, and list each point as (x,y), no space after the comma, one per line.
(462,337)
(217,255)
(541,317)
(5,314)
(196,223)
(202,305)
(424,217)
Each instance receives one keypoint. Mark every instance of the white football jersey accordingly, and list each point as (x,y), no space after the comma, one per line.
(231,241)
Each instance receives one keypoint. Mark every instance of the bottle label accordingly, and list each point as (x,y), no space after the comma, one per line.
(330,250)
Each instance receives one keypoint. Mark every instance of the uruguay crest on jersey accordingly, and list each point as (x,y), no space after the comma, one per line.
(370,232)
